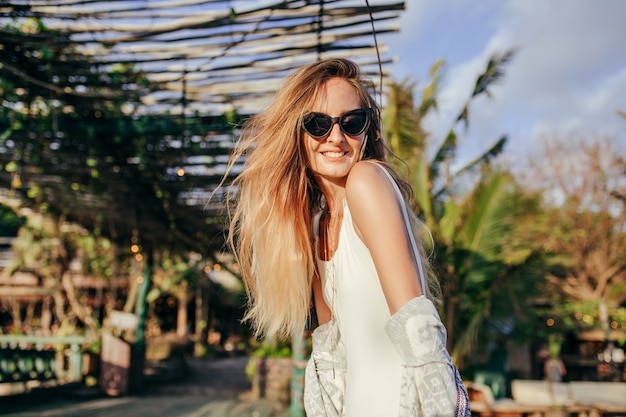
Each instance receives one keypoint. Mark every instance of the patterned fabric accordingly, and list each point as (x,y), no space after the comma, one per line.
(325,374)
(431,384)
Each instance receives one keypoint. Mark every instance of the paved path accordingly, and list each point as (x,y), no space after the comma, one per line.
(213,388)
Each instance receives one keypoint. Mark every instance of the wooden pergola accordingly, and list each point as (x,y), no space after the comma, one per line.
(121,115)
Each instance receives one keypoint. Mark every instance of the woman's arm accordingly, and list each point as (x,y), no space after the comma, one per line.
(379,222)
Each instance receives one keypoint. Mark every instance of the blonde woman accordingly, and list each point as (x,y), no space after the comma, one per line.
(319,211)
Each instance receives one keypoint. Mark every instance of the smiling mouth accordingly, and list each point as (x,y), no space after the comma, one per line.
(334,154)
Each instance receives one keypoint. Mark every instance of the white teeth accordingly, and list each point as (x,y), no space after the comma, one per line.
(334,154)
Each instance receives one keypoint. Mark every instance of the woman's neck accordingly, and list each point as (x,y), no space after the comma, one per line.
(334,197)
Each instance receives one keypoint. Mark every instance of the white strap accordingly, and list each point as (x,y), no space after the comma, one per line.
(408,225)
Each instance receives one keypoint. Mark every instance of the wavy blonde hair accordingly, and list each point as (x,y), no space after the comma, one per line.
(276,196)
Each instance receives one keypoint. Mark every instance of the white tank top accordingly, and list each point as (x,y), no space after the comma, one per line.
(352,291)
(355,297)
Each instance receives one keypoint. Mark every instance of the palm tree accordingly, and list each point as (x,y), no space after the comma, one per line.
(472,212)
(490,267)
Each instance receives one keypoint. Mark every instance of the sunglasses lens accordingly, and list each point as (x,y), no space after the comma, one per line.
(354,122)
(317,124)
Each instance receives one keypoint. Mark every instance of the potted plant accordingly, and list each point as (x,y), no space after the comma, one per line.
(269,370)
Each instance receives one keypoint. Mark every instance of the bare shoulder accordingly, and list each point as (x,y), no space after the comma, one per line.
(368,185)
(366,177)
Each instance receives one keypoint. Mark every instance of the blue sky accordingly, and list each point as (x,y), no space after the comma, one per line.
(567,79)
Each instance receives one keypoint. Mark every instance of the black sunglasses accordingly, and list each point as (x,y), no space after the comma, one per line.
(353,123)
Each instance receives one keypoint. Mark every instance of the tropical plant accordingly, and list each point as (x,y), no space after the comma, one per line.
(582,182)
(473,213)
(10,222)
(178,276)
(53,252)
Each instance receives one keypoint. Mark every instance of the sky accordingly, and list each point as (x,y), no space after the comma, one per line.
(567,78)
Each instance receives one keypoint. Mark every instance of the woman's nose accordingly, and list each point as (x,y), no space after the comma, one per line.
(335,135)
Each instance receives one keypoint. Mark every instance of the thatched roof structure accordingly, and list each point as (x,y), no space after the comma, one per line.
(119,114)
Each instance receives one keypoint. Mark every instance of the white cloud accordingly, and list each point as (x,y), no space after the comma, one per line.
(568,76)
(608,94)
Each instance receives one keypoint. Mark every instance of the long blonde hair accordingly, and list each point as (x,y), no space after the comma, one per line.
(276,197)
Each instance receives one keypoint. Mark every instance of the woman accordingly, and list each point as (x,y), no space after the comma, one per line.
(318,209)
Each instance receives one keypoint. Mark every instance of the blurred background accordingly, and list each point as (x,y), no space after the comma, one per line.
(118,119)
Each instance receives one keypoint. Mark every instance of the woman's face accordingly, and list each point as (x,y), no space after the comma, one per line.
(332,157)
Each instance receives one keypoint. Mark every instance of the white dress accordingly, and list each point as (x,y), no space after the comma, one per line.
(353,292)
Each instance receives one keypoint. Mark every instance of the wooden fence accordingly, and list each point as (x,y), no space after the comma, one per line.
(28,362)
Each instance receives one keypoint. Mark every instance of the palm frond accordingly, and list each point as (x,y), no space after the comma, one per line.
(422,188)
(401,121)
(467,341)
(463,116)
(429,95)
(446,152)
(485,214)
(448,224)
(495,150)
(493,73)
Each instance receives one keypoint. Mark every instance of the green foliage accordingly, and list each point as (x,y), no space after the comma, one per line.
(488,266)
(174,273)
(267,349)
(76,145)
(10,222)
(400,120)
(494,268)
(49,249)
(95,346)
(492,74)
(272,349)
(579,316)
(554,345)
